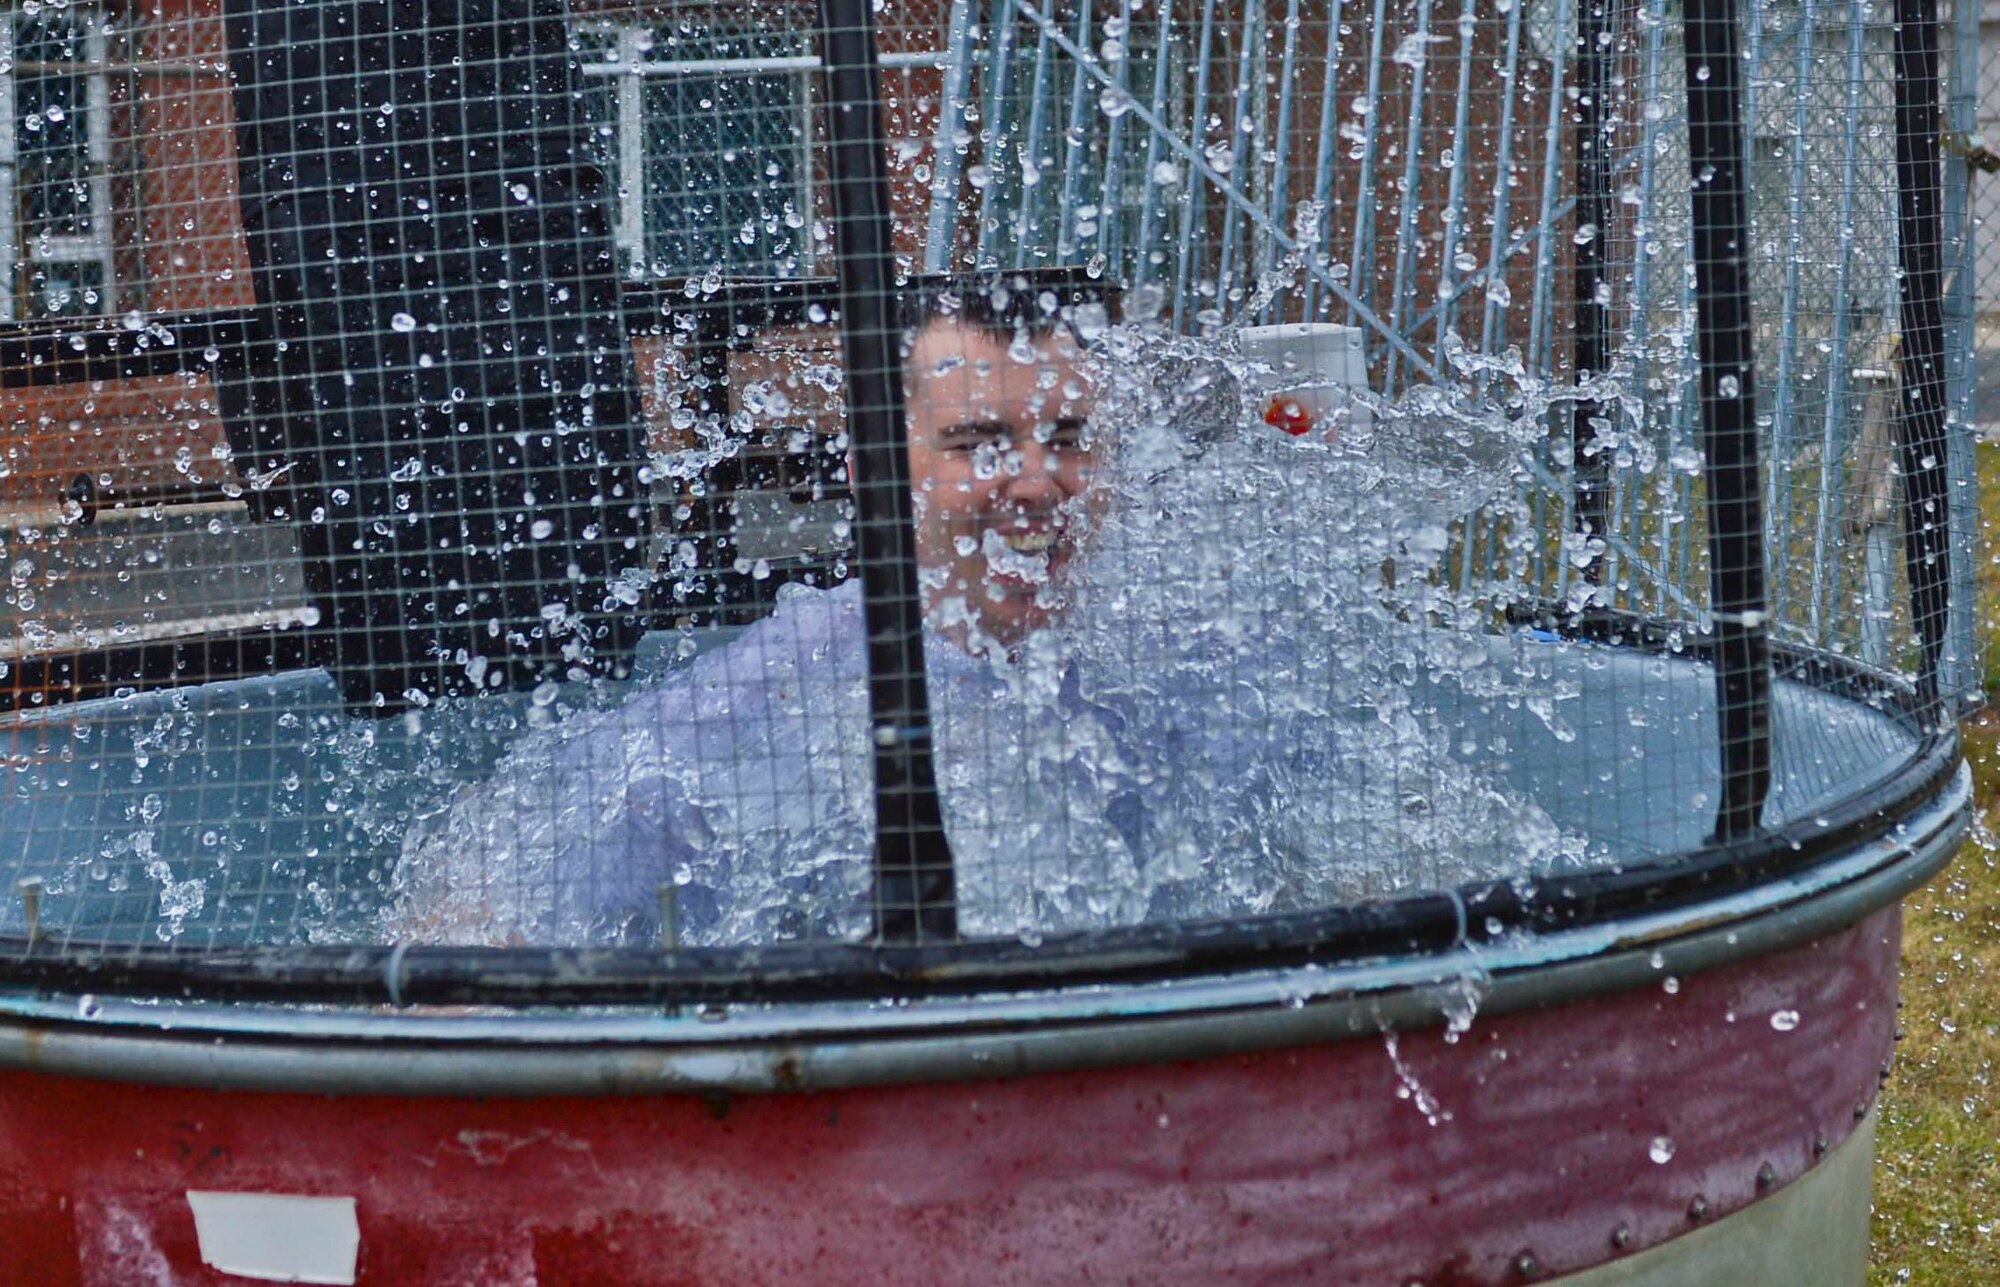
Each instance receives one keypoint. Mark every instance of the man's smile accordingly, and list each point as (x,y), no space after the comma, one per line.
(1035,542)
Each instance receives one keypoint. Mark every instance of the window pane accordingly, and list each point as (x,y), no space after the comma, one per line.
(51,109)
(63,290)
(50,35)
(709,129)
(724,174)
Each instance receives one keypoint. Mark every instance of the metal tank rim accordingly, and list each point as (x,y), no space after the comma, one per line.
(830,1045)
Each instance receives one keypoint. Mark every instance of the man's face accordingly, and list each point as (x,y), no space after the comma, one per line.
(1001,463)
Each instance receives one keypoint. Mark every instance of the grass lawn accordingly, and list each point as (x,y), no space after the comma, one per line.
(1937,1180)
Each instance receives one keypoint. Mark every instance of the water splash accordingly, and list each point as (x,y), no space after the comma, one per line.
(1233,716)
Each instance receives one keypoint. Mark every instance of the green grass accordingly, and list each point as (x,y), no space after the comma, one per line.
(1937,1182)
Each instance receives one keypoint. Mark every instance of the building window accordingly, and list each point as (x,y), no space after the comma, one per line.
(55,165)
(710,128)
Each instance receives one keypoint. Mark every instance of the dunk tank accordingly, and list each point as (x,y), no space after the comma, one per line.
(951,641)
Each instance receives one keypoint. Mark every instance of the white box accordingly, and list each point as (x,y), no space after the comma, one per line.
(1313,364)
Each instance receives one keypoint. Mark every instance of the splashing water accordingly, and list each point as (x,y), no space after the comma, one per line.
(1237,712)
(1233,715)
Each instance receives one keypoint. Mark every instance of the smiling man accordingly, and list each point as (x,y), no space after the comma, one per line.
(1213,750)
(1002,455)
(733,798)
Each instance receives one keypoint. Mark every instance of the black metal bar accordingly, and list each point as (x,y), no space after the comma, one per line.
(51,678)
(1920,430)
(1729,434)
(914,897)
(1589,468)
(33,356)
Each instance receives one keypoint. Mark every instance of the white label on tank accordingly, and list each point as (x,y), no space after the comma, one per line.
(278,1237)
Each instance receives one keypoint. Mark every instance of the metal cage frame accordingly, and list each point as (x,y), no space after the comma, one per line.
(914,953)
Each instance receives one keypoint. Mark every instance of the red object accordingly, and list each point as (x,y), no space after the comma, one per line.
(1289,415)
(1351,1161)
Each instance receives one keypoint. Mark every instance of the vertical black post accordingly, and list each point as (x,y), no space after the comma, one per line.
(914,899)
(1921,444)
(1588,467)
(1729,434)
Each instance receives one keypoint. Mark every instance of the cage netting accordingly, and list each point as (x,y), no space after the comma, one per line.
(1056,483)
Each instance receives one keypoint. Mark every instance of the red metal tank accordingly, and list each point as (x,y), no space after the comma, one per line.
(1501,1147)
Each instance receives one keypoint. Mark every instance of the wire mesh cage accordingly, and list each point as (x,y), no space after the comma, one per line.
(915,495)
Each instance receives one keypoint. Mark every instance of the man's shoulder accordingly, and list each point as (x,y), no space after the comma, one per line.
(812,614)
(818,627)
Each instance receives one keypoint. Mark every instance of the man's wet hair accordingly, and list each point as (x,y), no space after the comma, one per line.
(1005,304)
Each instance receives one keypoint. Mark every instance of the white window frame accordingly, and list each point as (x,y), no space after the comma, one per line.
(96,248)
(633,63)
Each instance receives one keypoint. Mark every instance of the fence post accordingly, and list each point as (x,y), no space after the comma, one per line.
(1921,438)
(1728,404)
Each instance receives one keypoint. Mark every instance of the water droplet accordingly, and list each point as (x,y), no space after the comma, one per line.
(1784,1020)
(1661,1150)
